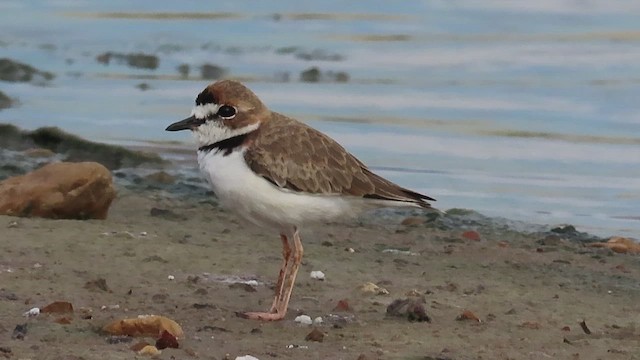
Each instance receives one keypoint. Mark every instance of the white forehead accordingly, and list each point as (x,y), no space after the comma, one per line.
(201,111)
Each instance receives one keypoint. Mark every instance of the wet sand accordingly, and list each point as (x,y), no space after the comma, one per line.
(530,292)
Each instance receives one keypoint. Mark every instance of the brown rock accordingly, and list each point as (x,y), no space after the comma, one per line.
(471,235)
(343,305)
(59,191)
(619,244)
(315,335)
(58,307)
(166,340)
(412,308)
(145,325)
(468,315)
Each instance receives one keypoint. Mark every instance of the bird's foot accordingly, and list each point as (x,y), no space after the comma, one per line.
(264,316)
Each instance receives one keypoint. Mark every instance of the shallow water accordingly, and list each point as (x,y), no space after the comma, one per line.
(526,110)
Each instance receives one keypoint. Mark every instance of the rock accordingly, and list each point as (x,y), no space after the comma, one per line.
(5,101)
(14,71)
(342,305)
(317,275)
(184,69)
(315,335)
(59,191)
(212,72)
(310,75)
(167,340)
(468,315)
(619,244)
(149,350)
(303,320)
(143,86)
(471,235)
(371,288)
(19,332)
(313,74)
(144,325)
(74,148)
(247,357)
(135,60)
(58,307)
(413,309)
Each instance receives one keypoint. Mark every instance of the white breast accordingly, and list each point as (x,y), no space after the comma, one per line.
(254,198)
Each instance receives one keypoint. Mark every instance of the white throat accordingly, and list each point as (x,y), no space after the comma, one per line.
(215,130)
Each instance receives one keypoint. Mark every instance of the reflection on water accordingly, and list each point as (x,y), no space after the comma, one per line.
(525,110)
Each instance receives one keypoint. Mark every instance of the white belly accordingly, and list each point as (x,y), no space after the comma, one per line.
(257,200)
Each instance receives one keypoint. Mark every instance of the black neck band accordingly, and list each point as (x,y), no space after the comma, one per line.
(226,145)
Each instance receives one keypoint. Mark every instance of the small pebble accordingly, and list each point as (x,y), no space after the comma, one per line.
(247,357)
(315,335)
(303,319)
(171,277)
(371,288)
(33,312)
(149,350)
(317,275)
(318,321)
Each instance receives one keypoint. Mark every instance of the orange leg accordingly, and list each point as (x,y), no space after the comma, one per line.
(286,281)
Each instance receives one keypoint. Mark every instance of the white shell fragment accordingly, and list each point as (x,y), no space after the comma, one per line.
(246,357)
(317,275)
(33,312)
(303,319)
(171,277)
(318,321)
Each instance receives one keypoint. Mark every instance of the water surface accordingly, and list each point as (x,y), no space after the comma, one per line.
(526,110)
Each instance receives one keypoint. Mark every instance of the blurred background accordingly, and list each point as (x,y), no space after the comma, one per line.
(527,110)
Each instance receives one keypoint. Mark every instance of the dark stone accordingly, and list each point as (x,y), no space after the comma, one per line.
(135,60)
(14,71)
(19,332)
(212,72)
(413,309)
(74,147)
(310,75)
(184,69)
(143,86)
(5,101)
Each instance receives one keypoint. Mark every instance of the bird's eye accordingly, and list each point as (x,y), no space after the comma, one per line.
(227,112)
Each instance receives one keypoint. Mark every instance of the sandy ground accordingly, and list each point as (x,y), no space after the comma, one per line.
(523,291)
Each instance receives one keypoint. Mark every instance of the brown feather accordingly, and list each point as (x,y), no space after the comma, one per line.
(297,157)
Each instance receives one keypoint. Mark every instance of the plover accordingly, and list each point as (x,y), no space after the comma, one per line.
(279,173)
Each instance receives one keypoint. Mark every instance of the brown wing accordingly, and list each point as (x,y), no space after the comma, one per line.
(300,158)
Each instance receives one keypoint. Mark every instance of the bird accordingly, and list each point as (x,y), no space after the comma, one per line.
(279,173)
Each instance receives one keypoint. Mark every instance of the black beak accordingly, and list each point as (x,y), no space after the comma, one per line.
(189,123)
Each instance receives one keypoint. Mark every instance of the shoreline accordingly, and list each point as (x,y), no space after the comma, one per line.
(490,288)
